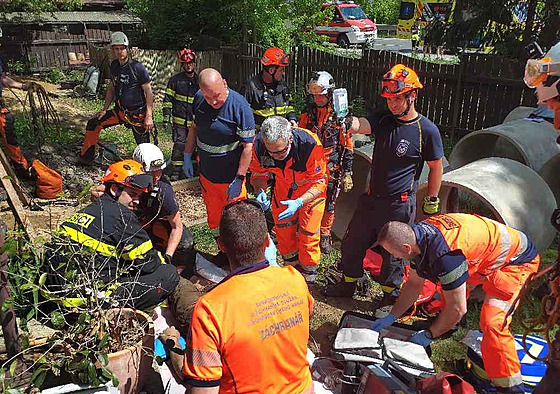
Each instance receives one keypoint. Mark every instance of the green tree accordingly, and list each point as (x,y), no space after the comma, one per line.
(495,24)
(384,12)
(37,6)
(174,23)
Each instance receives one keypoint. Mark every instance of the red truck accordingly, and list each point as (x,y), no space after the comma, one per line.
(348,26)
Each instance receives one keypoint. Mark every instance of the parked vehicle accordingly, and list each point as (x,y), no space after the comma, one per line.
(348,26)
(424,10)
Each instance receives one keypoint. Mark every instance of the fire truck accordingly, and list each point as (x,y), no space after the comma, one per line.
(348,26)
(423,10)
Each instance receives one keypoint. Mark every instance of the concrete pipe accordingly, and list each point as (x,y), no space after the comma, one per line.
(514,194)
(346,204)
(519,113)
(550,172)
(529,143)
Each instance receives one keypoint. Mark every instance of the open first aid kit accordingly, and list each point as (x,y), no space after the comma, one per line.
(355,341)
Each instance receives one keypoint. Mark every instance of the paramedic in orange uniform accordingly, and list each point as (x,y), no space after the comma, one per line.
(249,334)
(462,251)
(295,157)
(320,118)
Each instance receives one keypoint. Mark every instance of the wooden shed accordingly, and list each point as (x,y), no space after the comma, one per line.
(60,39)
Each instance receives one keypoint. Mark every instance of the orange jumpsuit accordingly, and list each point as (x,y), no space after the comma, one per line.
(252,341)
(320,120)
(304,168)
(461,248)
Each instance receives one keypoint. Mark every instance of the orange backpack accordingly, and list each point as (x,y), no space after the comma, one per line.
(49,182)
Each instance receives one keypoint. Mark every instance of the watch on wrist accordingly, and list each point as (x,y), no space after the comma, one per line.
(240,177)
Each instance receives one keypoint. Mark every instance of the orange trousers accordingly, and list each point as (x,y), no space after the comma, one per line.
(215,198)
(299,235)
(498,345)
(112,117)
(9,139)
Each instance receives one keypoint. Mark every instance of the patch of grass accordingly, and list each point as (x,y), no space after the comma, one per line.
(26,135)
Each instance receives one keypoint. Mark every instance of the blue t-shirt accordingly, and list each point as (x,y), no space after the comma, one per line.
(400,151)
(169,206)
(3,69)
(221,133)
(128,80)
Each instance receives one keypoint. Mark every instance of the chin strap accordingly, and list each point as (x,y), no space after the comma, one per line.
(408,106)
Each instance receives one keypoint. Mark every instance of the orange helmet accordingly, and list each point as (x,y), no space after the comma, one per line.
(187,55)
(275,56)
(128,173)
(399,80)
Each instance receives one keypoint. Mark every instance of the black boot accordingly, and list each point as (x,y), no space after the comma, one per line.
(326,244)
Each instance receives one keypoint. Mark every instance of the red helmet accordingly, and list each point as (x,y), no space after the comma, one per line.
(187,55)
(128,173)
(399,80)
(275,56)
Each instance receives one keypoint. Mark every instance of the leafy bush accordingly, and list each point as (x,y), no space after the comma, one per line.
(18,67)
(54,76)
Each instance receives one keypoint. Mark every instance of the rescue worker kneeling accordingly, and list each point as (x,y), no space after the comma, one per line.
(106,243)
(249,334)
(462,251)
(295,157)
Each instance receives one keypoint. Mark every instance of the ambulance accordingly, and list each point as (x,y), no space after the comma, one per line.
(412,10)
(348,26)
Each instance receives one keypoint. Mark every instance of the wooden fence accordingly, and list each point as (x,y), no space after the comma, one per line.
(477,93)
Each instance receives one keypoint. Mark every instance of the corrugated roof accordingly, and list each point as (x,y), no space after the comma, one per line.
(120,16)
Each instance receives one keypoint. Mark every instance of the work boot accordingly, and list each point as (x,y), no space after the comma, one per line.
(336,284)
(182,302)
(326,244)
(309,272)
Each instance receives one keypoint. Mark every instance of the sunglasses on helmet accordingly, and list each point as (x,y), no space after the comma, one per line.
(144,182)
(392,85)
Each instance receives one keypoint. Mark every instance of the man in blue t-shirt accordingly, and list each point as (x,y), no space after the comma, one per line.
(404,140)
(223,130)
(131,91)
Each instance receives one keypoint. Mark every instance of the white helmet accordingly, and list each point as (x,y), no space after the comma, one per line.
(321,82)
(150,156)
(544,74)
(119,38)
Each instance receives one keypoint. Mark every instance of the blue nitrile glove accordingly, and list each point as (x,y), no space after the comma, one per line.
(293,206)
(161,351)
(384,322)
(234,188)
(262,199)
(187,165)
(421,338)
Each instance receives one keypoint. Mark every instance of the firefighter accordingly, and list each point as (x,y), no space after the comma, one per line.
(7,126)
(223,131)
(178,107)
(130,89)
(337,144)
(404,139)
(295,157)
(123,254)
(544,75)
(461,251)
(266,92)
(248,341)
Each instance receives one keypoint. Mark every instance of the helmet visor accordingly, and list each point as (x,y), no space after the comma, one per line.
(537,71)
(392,85)
(143,182)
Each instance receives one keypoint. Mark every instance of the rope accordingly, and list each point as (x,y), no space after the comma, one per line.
(549,314)
(43,113)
